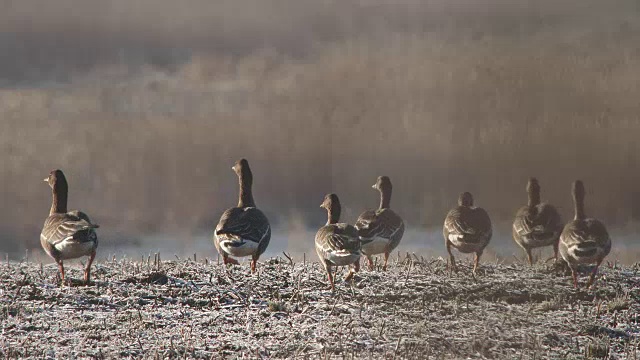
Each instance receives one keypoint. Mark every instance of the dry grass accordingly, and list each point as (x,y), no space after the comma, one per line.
(551,305)
(620,303)
(597,349)
(183,308)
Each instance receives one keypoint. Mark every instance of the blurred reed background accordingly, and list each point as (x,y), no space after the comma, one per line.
(147,104)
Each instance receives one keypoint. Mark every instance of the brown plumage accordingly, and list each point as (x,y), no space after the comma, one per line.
(67,234)
(583,240)
(467,228)
(536,224)
(337,244)
(243,230)
(380,230)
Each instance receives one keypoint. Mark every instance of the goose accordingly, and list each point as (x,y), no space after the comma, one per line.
(67,234)
(537,224)
(583,240)
(242,230)
(380,230)
(468,229)
(337,244)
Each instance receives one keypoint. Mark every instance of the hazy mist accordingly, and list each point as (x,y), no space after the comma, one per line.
(147,104)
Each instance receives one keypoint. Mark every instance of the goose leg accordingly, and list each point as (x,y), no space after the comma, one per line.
(452,260)
(227,260)
(349,276)
(330,276)
(61,268)
(87,270)
(592,277)
(574,275)
(529,256)
(370,260)
(254,260)
(555,253)
(386,260)
(476,260)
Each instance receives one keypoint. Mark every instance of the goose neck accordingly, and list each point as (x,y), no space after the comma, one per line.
(245,196)
(385,198)
(534,198)
(578,202)
(333,215)
(59,201)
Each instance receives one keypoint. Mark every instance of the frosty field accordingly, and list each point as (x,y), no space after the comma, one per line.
(198,309)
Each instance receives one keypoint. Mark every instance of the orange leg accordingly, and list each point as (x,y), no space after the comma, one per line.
(370,260)
(61,268)
(349,276)
(475,262)
(254,260)
(452,260)
(87,270)
(592,277)
(227,260)
(330,276)
(386,260)
(555,253)
(529,256)
(574,275)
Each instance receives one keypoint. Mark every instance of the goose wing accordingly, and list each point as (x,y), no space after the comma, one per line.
(244,223)
(589,231)
(463,221)
(383,223)
(584,239)
(366,224)
(539,222)
(336,237)
(81,215)
(523,224)
(481,222)
(547,223)
(73,226)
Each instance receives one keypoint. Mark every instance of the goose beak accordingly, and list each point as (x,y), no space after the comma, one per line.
(46,179)
(374,186)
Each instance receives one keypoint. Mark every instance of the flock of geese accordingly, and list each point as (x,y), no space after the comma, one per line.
(245,231)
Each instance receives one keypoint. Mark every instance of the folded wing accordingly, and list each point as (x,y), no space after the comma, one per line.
(244,224)
(74,226)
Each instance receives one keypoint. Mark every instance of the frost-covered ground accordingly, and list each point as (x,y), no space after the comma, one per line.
(198,309)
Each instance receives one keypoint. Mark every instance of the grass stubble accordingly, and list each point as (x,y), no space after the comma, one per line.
(182,308)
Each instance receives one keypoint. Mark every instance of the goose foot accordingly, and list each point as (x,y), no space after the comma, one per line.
(227,260)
